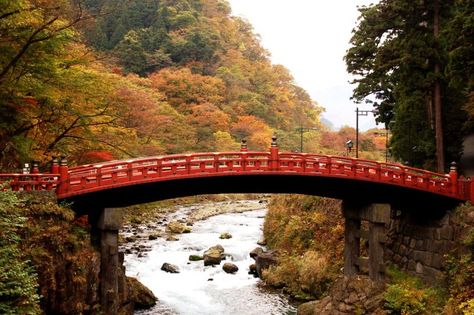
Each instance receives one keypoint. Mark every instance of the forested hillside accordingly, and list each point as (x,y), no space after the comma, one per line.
(106,79)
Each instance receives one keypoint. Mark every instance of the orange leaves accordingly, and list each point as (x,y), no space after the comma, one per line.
(182,88)
(208,115)
(255,131)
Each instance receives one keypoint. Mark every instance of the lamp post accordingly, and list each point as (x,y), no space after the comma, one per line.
(360,113)
(301,131)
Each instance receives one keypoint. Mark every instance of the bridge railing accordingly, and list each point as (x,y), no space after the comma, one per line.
(30,182)
(70,181)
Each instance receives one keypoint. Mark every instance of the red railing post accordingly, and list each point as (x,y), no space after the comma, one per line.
(274,160)
(35,169)
(54,165)
(243,156)
(243,146)
(63,185)
(453,175)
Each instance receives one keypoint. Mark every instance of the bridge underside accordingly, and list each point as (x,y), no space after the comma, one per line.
(339,188)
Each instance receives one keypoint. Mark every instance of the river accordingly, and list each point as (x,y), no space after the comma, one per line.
(200,290)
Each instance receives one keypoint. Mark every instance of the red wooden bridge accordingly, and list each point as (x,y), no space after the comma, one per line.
(126,182)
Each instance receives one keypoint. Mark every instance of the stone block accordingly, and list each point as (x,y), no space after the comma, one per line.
(422,256)
(110,219)
(437,261)
(403,250)
(419,245)
(404,261)
(445,219)
(437,246)
(406,240)
(427,233)
(411,265)
(412,243)
(378,213)
(419,268)
(446,232)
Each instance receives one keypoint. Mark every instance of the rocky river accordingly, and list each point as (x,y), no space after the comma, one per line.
(198,289)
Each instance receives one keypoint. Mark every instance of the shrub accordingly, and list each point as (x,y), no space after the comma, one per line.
(407,295)
(18,285)
(308,232)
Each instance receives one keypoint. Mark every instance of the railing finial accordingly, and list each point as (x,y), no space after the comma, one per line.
(63,161)
(243,145)
(274,141)
(453,167)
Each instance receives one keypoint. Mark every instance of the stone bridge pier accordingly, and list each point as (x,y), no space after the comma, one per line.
(105,225)
(365,235)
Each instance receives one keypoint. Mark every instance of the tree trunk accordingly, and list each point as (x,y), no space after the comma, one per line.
(437,97)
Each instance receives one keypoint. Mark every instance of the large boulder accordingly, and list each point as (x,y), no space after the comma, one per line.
(230,268)
(349,295)
(170,268)
(178,227)
(139,295)
(265,260)
(214,255)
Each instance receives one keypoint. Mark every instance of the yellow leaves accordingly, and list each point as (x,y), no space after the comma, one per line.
(182,87)
(224,142)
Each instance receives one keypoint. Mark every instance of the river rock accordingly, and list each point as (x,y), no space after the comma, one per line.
(230,268)
(171,238)
(178,227)
(141,296)
(170,268)
(154,236)
(213,256)
(262,242)
(225,236)
(253,270)
(254,253)
(195,257)
(131,239)
(265,260)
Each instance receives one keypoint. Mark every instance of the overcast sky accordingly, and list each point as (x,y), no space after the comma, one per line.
(310,38)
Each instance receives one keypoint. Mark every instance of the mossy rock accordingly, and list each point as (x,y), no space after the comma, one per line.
(195,258)
(225,236)
(140,295)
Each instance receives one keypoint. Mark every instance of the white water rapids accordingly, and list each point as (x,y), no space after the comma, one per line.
(200,290)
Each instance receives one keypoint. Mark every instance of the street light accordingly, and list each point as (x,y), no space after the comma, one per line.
(360,113)
(302,130)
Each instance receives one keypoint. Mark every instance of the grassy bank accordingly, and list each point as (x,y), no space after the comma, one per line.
(308,233)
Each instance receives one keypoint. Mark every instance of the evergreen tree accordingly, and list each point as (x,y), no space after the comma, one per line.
(393,57)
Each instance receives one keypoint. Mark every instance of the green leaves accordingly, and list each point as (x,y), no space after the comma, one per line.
(392,58)
(18,286)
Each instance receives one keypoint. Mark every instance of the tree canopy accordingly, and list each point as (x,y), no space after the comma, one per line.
(393,56)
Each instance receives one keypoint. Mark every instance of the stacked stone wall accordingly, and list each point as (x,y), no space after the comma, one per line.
(420,245)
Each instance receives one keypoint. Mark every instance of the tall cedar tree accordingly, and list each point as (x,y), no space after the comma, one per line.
(393,57)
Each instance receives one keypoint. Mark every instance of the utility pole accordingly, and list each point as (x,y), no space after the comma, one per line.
(301,131)
(437,96)
(360,113)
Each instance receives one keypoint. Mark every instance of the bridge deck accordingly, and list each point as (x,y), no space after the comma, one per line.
(88,179)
